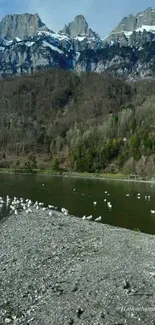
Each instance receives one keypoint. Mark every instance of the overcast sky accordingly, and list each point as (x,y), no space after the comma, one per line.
(101,15)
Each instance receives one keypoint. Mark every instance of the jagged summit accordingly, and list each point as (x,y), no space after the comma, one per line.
(134,30)
(26,45)
(142,20)
(21,26)
(78,27)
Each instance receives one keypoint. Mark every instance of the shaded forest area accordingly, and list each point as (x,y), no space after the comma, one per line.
(81,123)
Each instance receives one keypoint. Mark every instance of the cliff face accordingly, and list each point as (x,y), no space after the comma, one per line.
(131,23)
(125,62)
(134,28)
(21,26)
(78,27)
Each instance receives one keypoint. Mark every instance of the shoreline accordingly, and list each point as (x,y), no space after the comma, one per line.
(112,177)
(62,270)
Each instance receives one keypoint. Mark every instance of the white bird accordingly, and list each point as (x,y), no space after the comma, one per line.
(145,197)
(29,203)
(7,202)
(43,209)
(74,189)
(50,213)
(138,197)
(153,211)
(94,203)
(41,204)
(105,200)
(50,206)
(149,197)
(89,217)
(105,192)
(29,211)
(98,219)
(63,210)
(127,194)
(84,217)
(138,194)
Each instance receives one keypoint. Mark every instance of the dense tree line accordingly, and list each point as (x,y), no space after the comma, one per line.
(79,122)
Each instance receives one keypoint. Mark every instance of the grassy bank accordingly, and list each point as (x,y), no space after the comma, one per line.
(51,172)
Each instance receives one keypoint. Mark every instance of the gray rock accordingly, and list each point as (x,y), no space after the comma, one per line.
(21,25)
(115,282)
(78,27)
(131,23)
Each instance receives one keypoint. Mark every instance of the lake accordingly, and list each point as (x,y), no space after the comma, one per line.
(78,195)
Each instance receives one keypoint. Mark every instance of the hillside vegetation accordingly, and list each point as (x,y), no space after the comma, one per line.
(91,122)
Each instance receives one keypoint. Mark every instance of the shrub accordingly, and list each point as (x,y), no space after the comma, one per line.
(31,164)
(6,163)
(55,164)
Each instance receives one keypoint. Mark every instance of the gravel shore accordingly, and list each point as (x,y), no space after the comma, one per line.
(61,270)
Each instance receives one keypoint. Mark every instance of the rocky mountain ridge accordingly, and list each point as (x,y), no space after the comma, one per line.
(21,26)
(27,44)
(132,23)
(134,28)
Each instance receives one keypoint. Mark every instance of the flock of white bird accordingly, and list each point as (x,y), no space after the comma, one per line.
(16,205)
(147,197)
(109,205)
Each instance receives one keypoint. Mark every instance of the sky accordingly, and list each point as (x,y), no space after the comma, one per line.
(102,15)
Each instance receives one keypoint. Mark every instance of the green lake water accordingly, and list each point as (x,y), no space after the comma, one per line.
(78,194)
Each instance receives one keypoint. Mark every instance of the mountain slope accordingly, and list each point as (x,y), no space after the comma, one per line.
(47,51)
(88,123)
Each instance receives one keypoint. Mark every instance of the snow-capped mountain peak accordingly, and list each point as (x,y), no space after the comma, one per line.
(143,22)
(26,45)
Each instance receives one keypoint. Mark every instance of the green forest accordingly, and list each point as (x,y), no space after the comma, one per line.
(83,123)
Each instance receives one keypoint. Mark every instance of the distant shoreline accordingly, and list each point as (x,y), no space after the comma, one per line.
(106,176)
